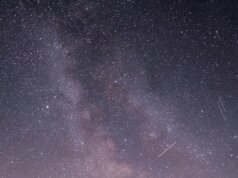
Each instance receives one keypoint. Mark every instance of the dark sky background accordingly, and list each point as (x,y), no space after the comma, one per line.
(118,89)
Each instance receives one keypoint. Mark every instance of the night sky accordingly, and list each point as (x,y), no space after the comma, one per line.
(118,89)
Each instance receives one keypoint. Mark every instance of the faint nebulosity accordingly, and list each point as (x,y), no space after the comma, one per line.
(118,89)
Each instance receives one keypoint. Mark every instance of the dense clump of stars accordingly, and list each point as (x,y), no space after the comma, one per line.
(118,89)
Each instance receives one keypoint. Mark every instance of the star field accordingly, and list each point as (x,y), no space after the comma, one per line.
(118,89)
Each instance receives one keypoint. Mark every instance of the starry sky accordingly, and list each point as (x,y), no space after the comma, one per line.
(118,89)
